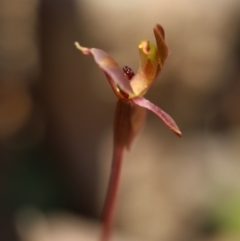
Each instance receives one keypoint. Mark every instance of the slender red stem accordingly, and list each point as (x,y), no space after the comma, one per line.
(121,138)
(110,203)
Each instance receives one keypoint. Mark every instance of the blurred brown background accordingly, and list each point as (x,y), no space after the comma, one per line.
(56,112)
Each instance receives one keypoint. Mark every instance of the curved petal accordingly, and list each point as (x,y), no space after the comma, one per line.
(148,69)
(151,62)
(129,120)
(159,112)
(138,118)
(161,45)
(110,67)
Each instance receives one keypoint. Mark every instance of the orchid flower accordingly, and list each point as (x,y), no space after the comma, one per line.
(131,106)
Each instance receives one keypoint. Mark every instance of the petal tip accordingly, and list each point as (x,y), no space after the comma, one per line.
(161,44)
(84,50)
(158,28)
(144,45)
(173,126)
(177,132)
(167,119)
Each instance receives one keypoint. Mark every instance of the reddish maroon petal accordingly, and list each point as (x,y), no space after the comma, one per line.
(122,124)
(138,118)
(161,44)
(110,67)
(159,112)
(129,120)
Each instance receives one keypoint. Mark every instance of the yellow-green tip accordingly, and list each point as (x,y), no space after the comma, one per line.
(84,50)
